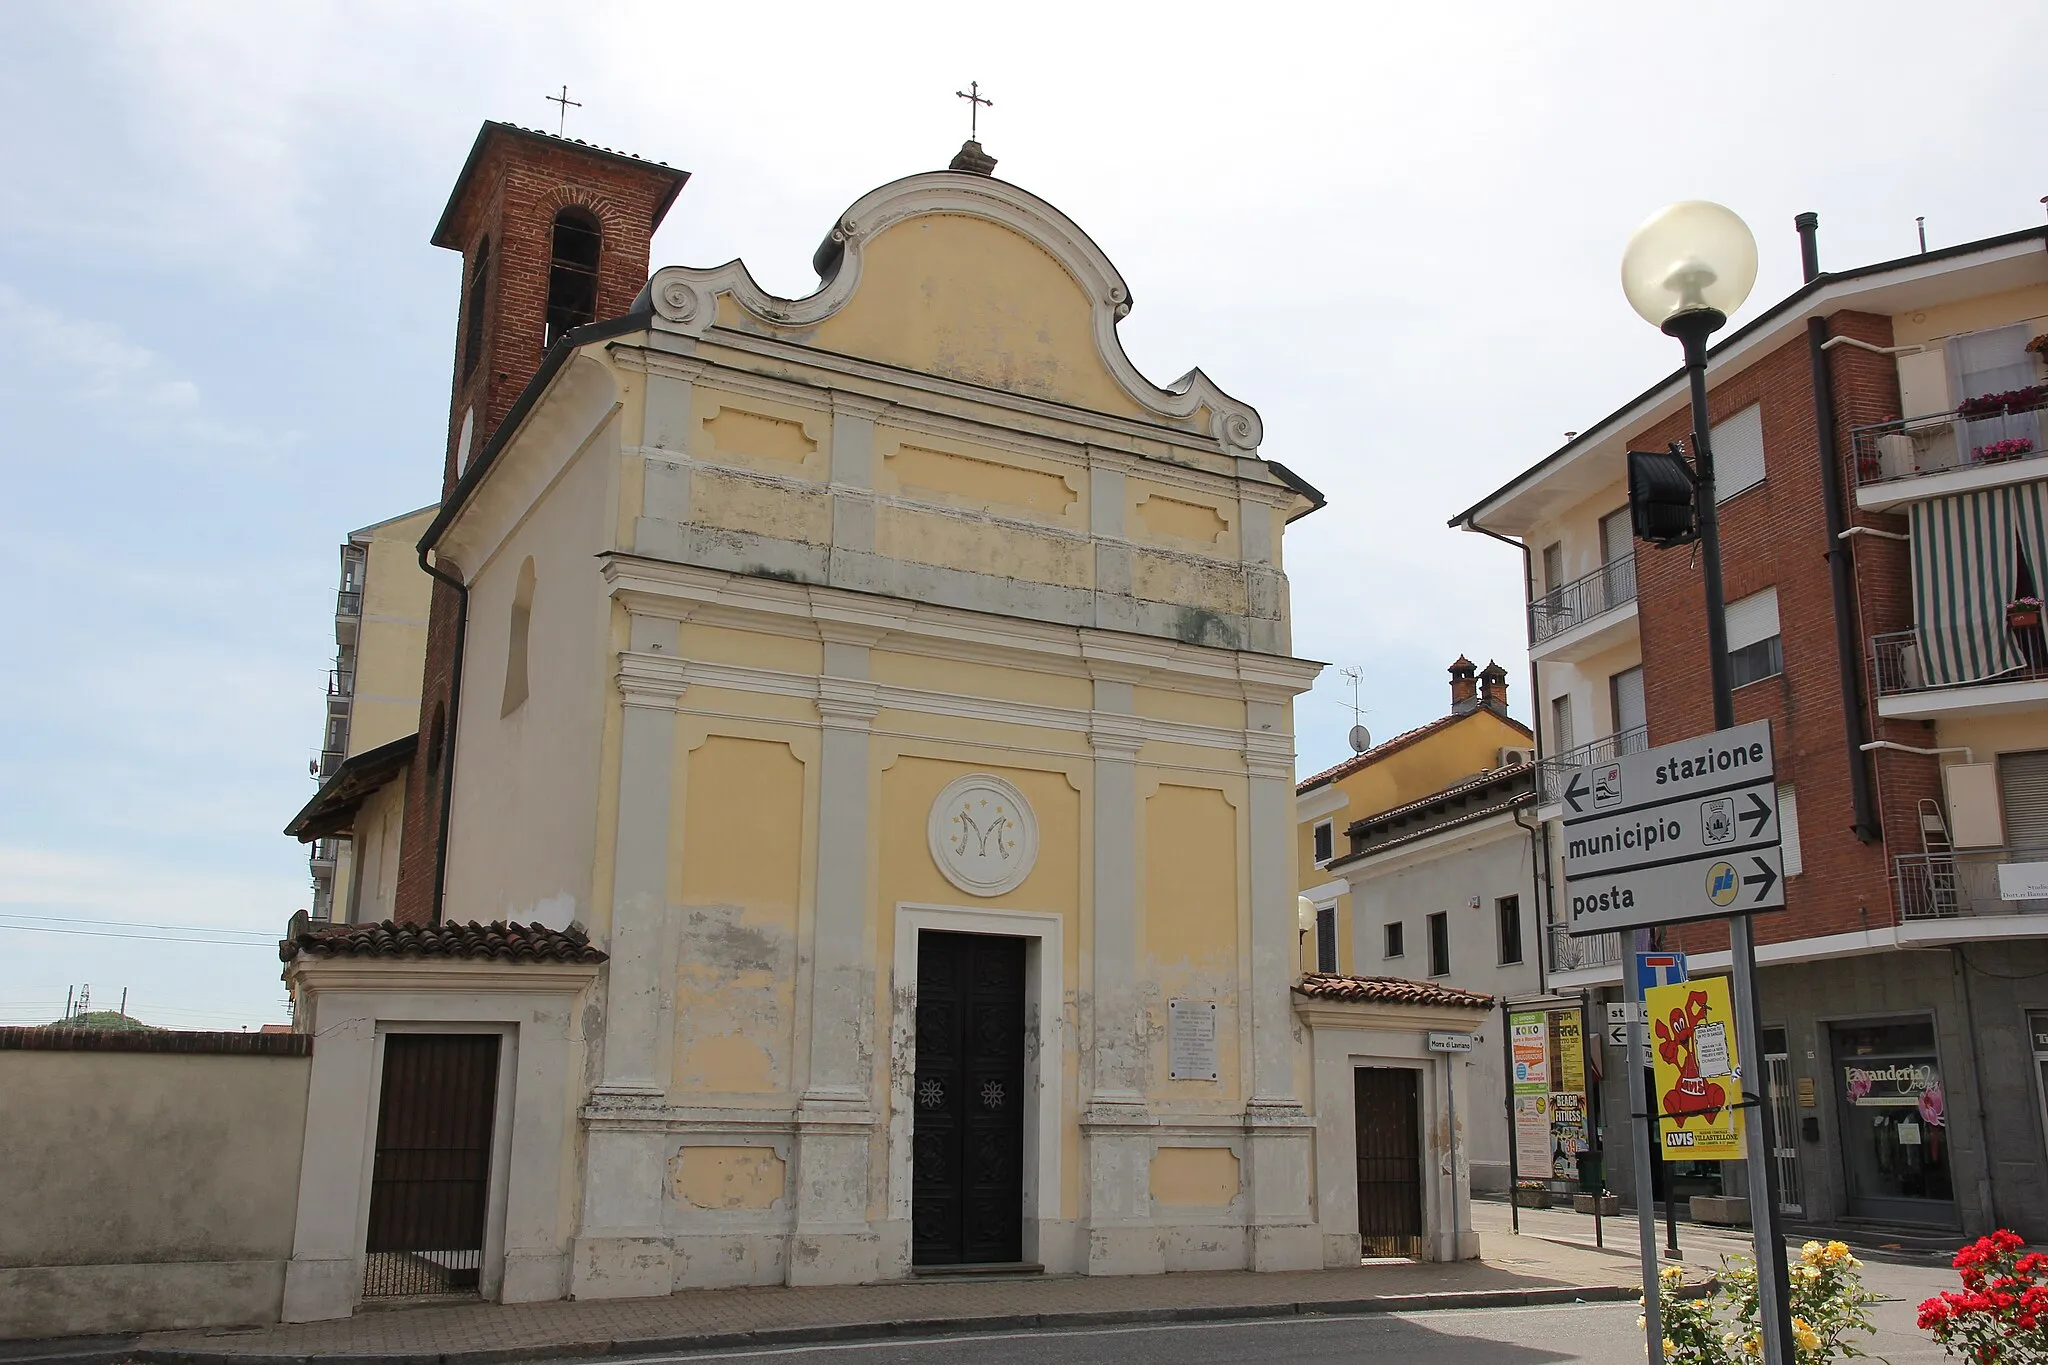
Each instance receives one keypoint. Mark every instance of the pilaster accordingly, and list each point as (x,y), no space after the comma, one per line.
(833,1242)
(621,1250)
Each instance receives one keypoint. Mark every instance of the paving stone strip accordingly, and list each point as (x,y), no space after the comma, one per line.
(1519,1272)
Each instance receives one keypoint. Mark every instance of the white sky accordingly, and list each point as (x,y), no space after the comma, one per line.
(225,341)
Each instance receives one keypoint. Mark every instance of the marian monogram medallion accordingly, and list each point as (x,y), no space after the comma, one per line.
(983,835)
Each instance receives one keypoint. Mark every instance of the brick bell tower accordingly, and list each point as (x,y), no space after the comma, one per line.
(554,233)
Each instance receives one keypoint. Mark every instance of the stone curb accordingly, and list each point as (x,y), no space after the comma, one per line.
(828,1333)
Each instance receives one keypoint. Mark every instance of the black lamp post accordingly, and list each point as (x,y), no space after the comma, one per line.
(1685,271)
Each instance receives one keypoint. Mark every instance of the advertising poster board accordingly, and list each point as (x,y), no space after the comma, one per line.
(1571,1052)
(1529,1050)
(1698,1072)
(1532,1137)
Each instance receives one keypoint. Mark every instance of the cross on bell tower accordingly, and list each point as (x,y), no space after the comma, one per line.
(970,157)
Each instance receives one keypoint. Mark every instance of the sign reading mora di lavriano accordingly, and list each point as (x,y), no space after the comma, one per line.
(1688,831)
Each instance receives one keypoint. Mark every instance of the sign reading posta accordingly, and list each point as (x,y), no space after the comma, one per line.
(1698,1070)
(1687,831)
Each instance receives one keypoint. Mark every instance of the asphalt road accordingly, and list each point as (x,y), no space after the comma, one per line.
(1602,1333)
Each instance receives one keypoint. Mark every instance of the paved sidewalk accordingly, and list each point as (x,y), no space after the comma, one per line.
(1515,1271)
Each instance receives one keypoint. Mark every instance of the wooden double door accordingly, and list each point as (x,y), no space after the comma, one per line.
(967,1101)
(1388,1109)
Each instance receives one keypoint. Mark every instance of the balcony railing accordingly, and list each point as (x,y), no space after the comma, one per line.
(348,602)
(329,760)
(1933,886)
(1895,665)
(1943,441)
(323,854)
(1568,954)
(1554,772)
(1601,591)
(341,682)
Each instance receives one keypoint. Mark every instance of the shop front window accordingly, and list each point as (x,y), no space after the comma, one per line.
(2037,1027)
(1894,1116)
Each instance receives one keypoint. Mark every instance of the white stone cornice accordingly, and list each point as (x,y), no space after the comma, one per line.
(664,363)
(847,703)
(651,680)
(1116,736)
(1369,1014)
(437,974)
(1269,755)
(868,405)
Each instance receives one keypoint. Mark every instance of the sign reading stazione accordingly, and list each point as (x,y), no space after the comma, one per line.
(1687,831)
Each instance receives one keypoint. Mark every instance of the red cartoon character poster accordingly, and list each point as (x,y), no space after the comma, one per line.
(1699,1075)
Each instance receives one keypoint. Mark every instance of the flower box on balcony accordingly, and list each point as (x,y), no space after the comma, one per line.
(1997,452)
(2023,613)
(2012,400)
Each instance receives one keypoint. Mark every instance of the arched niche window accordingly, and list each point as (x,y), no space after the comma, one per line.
(572,272)
(515,647)
(473,318)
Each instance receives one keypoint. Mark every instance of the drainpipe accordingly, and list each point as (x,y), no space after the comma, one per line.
(1536,727)
(1841,566)
(1987,1188)
(1542,939)
(448,735)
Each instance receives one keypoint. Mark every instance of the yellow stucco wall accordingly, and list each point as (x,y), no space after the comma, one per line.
(969,299)
(392,639)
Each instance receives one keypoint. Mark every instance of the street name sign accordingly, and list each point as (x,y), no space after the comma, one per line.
(1450,1042)
(1687,831)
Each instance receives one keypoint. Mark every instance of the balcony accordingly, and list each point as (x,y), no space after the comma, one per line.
(1947,453)
(348,602)
(329,760)
(1579,619)
(1591,953)
(1959,891)
(1554,772)
(1903,691)
(323,855)
(341,682)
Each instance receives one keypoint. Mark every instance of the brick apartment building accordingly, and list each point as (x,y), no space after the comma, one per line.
(1877,438)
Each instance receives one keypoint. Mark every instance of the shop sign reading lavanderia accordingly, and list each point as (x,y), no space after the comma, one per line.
(1888,1084)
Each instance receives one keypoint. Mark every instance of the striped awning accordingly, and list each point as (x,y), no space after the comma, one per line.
(1965,569)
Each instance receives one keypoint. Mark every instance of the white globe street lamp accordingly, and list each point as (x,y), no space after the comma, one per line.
(1685,270)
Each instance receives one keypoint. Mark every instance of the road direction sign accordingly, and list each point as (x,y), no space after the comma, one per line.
(1687,831)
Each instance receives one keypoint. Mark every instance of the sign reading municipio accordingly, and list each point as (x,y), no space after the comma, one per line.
(1687,831)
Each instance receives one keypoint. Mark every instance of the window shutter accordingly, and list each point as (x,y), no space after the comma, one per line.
(1630,710)
(1325,837)
(1738,452)
(1617,537)
(1752,619)
(1561,726)
(2023,790)
(1788,830)
(1326,938)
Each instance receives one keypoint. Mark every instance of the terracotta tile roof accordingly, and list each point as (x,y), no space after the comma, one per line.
(490,942)
(1388,748)
(1388,990)
(1466,801)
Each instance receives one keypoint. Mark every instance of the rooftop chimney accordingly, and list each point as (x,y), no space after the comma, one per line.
(1493,688)
(1464,690)
(1809,244)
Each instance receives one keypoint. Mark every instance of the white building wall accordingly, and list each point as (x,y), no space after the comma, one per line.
(1462,873)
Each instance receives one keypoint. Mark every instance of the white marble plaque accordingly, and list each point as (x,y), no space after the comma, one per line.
(1191,1040)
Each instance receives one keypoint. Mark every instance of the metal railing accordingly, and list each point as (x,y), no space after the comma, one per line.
(1568,954)
(330,759)
(324,852)
(341,682)
(1909,447)
(348,602)
(1964,883)
(1895,665)
(1555,771)
(1601,591)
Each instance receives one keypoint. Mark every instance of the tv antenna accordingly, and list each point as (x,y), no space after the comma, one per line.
(1361,738)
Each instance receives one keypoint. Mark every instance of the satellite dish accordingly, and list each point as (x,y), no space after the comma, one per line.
(1361,739)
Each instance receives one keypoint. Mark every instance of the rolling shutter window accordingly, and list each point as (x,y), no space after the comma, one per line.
(1630,710)
(1788,830)
(1752,620)
(1561,741)
(1739,452)
(1617,537)
(2023,791)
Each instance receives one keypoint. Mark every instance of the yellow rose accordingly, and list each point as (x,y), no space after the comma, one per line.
(1808,1339)
(1670,1347)
(1811,1249)
(1672,1274)
(1837,1250)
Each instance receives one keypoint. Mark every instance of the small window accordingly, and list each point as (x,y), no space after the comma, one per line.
(1788,831)
(1738,452)
(572,272)
(1508,911)
(515,647)
(1326,938)
(437,742)
(1440,944)
(1394,939)
(473,315)
(1325,839)
(1755,649)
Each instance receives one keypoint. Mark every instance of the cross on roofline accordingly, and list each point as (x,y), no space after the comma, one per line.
(975,100)
(562,126)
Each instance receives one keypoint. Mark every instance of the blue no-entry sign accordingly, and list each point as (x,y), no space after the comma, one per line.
(1658,969)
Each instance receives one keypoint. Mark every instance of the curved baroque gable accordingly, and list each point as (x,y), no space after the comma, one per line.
(957,208)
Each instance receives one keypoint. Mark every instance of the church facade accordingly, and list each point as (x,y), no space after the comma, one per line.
(876,709)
